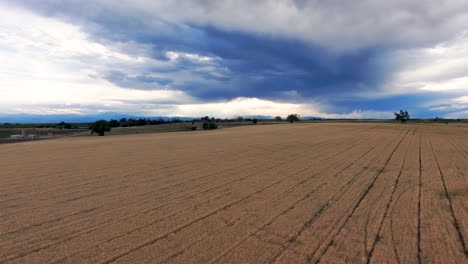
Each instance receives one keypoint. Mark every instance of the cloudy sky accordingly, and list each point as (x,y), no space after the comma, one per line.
(356,59)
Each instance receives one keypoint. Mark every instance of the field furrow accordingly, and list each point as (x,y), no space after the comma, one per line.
(293,193)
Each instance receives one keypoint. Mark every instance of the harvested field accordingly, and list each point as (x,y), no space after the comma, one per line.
(299,193)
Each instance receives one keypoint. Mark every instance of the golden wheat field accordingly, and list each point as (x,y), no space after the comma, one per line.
(296,193)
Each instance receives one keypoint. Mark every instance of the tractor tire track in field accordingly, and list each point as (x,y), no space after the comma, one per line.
(361,198)
(461,151)
(255,193)
(387,207)
(310,221)
(211,188)
(286,210)
(191,180)
(404,190)
(392,229)
(419,200)
(241,157)
(455,222)
(292,193)
(282,213)
(110,222)
(152,241)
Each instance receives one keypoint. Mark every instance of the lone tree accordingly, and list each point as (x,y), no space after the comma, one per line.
(292,118)
(403,116)
(209,125)
(100,127)
(278,118)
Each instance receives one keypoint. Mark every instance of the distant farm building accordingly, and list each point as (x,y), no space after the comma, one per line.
(25,135)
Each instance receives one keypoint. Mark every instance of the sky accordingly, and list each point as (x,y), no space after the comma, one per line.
(225,58)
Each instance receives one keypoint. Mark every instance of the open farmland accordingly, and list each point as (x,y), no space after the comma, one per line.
(299,193)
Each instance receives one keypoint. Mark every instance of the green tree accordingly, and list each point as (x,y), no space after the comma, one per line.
(209,125)
(403,116)
(141,122)
(100,127)
(255,120)
(278,118)
(292,118)
(114,123)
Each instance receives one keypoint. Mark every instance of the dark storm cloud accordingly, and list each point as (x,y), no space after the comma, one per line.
(332,50)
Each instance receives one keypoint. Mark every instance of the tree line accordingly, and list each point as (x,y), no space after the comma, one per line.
(100,127)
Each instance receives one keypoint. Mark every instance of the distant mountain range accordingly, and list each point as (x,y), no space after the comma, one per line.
(70,118)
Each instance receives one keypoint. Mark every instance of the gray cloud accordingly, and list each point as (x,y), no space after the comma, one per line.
(144,82)
(339,50)
(339,25)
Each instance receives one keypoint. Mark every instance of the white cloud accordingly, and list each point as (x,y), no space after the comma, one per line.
(339,25)
(242,106)
(54,68)
(50,38)
(463,99)
(455,115)
(49,62)
(460,83)
(450,108)
(362,114)
(440,68)
(55,63)
(174,55)
(255,106)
